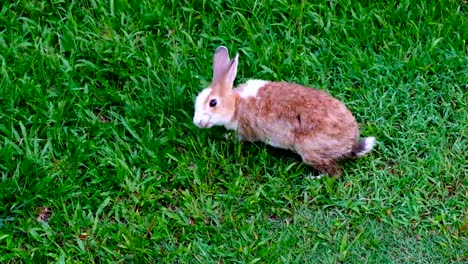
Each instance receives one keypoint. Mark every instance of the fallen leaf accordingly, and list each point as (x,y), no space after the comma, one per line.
(83,236)
(44,215)
(389,212)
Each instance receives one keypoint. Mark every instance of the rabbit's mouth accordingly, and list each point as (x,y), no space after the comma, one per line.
(202,121)
(209,124)
(205,123)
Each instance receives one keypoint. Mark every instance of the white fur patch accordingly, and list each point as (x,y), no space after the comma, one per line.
(312,177)
(200,117)
(250,88)
(201,97)
(369,143)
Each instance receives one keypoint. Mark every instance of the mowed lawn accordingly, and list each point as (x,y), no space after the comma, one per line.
(100,161)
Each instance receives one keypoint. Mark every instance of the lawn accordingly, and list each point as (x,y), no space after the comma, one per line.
(100,161)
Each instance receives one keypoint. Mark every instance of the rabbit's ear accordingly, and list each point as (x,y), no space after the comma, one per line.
(224,70)
(232,71)
(220,63)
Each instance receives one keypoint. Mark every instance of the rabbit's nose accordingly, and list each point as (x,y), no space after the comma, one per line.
(203,124)
(200,123)
(197,122)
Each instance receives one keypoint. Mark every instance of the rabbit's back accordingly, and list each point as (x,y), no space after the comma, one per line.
(289,116)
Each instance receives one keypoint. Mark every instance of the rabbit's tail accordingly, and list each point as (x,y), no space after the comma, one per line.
(363,147)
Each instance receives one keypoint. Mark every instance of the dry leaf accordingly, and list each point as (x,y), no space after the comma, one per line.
(83,236)
(389,212)
(44,215)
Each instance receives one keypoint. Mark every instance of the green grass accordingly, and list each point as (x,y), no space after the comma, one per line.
(95,126)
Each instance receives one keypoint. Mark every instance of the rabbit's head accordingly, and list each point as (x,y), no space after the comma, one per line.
(216,105)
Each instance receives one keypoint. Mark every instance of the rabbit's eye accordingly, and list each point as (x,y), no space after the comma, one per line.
(213,102)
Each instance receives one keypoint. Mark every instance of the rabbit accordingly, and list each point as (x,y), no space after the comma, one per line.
(285,115)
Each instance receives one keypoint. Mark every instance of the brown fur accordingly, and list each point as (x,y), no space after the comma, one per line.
(308,121)
(226,102)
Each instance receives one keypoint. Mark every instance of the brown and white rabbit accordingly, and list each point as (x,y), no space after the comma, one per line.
(307,121)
